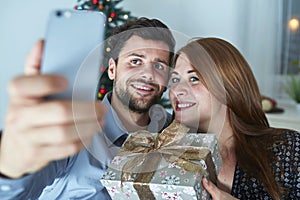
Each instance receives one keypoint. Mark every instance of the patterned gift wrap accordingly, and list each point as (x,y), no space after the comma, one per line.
(167,176)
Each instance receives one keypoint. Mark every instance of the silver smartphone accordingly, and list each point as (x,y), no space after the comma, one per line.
(73,48)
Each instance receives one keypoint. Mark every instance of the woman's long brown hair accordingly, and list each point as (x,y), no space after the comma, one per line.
(229,78)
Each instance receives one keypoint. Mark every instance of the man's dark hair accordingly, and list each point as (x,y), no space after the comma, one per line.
(149,29)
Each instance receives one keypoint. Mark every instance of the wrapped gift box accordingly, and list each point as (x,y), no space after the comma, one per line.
(167,176)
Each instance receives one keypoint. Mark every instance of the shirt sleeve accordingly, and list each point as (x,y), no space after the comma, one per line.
(31,186)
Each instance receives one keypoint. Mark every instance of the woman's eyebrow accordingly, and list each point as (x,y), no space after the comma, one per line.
(191,71)
(174,72)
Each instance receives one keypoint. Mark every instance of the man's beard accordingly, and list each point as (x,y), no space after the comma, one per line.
(136,104)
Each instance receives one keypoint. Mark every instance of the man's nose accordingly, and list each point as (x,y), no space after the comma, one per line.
(148,72)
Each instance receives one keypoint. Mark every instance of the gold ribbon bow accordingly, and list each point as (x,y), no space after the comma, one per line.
(146,150)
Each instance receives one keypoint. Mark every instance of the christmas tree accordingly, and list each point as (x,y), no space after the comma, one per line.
(115,16)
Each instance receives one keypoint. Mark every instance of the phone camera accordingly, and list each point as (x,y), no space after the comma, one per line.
(67,14)
(58,13)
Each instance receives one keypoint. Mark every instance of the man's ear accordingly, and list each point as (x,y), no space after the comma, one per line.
(111,69)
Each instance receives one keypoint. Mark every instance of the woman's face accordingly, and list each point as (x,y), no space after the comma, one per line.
(192,103)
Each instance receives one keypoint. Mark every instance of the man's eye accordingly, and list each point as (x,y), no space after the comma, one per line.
(158,66)
(136,62)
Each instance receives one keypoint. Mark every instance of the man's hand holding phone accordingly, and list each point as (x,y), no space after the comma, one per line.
(39,130)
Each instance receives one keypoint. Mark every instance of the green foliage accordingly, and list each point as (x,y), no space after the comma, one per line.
(293,88)
(165,102)
(294,62)
(115,16)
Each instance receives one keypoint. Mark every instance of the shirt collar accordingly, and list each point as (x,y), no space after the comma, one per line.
(113,128)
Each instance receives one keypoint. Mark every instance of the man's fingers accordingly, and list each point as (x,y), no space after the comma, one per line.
(58,113)
(59,135)
(34,58)
(61,151)
(46,154)
(40,86)
(88,111)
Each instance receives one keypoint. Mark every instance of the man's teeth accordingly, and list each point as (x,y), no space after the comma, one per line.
(142,87)
(184,105)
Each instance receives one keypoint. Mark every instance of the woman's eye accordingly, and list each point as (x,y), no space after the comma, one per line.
(175,80)
(158,66)
(194,79)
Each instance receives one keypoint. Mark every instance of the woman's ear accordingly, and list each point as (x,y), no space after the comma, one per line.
(111,69)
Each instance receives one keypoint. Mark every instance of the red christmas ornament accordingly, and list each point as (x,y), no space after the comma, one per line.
(95,1)
(102,69)
(112,15)
(103,90)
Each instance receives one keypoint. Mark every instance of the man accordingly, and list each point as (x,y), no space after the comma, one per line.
(43,156)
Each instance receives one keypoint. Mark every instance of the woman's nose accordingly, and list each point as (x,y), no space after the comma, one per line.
(180,89)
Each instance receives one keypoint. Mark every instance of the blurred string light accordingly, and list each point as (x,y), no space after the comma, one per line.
(294,24)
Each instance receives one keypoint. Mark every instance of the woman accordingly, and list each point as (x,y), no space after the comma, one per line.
(214,90)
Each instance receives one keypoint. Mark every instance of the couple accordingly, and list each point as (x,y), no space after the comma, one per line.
(211,88)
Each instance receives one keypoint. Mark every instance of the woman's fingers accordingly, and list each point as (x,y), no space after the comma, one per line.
(215,192)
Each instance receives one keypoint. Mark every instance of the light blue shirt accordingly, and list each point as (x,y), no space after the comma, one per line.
(77,177)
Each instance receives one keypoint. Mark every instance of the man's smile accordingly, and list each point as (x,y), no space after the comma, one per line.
(144,89)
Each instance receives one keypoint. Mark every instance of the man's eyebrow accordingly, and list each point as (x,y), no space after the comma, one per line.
(143,56)
(137,55)
(161,61)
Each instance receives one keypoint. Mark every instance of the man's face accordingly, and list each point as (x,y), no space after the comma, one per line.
(141,74)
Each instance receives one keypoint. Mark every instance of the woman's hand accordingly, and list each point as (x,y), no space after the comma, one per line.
(215,192)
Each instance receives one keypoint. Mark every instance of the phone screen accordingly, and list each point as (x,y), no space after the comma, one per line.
(73,48)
